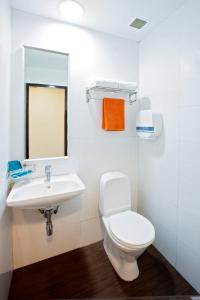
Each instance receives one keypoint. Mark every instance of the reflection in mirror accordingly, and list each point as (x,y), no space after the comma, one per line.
(46,103)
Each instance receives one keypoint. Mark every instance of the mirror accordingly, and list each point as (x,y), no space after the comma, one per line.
(46,83)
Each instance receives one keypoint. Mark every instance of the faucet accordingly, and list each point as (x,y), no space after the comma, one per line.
(48,173)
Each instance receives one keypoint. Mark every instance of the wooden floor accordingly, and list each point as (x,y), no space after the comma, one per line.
(87,273)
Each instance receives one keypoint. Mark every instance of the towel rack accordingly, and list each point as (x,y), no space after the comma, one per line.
(130,93)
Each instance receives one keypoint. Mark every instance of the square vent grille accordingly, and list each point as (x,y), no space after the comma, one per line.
(138,23)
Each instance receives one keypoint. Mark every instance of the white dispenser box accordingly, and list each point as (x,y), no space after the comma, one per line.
(148,124)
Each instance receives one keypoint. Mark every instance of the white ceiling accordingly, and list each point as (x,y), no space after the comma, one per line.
(110,16)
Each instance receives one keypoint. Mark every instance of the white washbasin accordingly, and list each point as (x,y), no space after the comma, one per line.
(40,194)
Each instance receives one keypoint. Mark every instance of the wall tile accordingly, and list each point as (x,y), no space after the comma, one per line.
(90,232)
(5,213)
(189,123)
(188,264)
(30,243)
(189,228)
(189,188)
(169,167)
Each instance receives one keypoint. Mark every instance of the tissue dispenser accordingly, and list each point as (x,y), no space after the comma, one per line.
(148,124)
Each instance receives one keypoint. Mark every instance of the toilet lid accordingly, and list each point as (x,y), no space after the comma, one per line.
(131,229)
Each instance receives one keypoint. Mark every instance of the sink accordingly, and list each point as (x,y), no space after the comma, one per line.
(40,194)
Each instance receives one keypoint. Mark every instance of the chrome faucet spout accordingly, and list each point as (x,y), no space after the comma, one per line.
(48,173)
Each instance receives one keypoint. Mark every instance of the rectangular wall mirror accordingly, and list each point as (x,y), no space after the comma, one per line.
(46,82)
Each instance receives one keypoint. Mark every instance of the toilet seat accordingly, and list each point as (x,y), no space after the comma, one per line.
(131,229)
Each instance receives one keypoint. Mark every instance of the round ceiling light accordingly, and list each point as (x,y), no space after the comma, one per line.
(71,10)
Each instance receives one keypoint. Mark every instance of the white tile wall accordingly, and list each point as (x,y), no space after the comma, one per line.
(169,186)
(5,216)
(91,150)
(90,232)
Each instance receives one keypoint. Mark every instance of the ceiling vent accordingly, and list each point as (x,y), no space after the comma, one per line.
(138,23)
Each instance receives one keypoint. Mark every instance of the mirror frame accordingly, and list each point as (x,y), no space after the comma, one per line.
(24,47)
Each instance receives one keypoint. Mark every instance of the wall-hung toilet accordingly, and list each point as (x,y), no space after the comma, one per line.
(127,234)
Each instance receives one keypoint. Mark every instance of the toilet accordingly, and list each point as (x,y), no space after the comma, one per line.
(127,234)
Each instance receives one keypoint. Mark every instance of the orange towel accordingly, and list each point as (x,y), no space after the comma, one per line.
(113,114)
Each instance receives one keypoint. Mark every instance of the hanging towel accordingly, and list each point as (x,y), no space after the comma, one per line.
(113,114)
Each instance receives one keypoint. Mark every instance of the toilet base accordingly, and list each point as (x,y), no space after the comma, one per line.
(124,263)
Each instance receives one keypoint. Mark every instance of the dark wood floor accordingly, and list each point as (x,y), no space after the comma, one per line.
(87,273)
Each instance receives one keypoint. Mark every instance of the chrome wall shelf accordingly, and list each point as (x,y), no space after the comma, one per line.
(132,94)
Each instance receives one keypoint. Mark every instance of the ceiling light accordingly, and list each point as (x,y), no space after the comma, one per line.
(71,10)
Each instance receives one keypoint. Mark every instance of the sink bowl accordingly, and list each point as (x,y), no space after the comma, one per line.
(40,194)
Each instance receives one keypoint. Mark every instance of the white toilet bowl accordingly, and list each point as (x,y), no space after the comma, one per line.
(127,234)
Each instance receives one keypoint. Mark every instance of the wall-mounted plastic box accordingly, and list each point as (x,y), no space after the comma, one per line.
(149,124)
